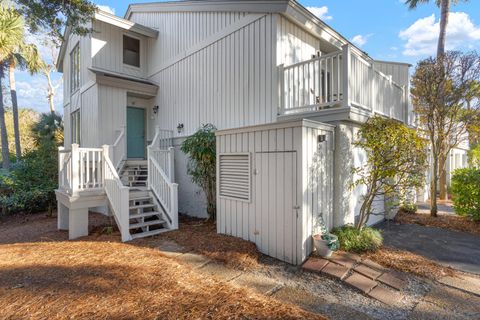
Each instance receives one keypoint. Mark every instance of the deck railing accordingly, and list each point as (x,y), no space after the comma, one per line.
(342,78)
(80,169)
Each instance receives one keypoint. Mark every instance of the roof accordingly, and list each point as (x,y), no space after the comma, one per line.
(111,19)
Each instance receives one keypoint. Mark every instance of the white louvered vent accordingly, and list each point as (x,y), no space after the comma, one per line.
(234,174)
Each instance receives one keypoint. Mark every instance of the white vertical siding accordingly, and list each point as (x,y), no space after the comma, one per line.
(107,50)
(294,44)
(289,169)
(398,71)
(228,83)
(112,109)
(179,31)
(89,131)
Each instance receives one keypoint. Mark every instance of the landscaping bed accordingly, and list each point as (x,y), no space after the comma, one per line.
(49,278)
(447,221)
(405,261)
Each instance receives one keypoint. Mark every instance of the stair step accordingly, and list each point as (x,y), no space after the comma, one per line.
(148,233)
(142,206)
(144,215)
(146,224)
(141,198)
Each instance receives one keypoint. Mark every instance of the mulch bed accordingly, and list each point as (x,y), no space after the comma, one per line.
(409,262)
(201,236)
(447,221)
(44,277)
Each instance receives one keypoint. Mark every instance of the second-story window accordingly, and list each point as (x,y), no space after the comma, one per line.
(75,126)
(75,69)
(131,51)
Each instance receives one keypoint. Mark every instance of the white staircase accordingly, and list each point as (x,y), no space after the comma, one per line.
(146,215)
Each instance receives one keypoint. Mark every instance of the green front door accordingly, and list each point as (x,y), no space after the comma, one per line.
(135,133)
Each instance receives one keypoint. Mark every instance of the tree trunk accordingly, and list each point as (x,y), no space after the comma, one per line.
(50,92)
(433,188)
(442,160)
(16,129)
(3,129)
(445,10)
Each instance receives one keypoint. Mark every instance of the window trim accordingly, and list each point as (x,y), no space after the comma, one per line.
(75,126)
(139,52)
(72,89)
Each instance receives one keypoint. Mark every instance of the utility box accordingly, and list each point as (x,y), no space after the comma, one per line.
(275,185)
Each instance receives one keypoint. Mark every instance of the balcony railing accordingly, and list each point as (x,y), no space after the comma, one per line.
(340,79)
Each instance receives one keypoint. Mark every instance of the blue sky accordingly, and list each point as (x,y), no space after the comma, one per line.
(385,29)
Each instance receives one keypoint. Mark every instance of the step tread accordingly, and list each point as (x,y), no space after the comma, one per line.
(144,215)
(146,224)
(140,206)
(149,233)
(146,197)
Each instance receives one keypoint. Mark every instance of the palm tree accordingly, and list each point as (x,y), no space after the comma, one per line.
(444,13)
(11,34)
(25,56)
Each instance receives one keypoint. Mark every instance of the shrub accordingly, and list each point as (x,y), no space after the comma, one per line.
(201,150)
(466,192)
(353,239)
(410,208)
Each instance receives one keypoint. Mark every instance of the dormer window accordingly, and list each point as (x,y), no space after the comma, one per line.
(131,51)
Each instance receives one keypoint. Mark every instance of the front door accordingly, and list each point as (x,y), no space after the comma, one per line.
(135,133)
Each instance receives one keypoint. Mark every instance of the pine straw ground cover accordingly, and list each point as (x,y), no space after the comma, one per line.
(447,221)
(409,262)
(101,279)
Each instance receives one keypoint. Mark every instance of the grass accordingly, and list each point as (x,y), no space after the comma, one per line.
(354,240)
(47,277)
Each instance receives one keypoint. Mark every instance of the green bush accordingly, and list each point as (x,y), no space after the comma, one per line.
(352,239)
(410,208)
(466,192)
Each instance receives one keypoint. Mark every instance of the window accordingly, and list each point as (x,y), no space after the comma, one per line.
(234,170)
(74,69)
(131,51)
(75,126)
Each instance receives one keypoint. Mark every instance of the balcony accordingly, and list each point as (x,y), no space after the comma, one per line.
(340,79)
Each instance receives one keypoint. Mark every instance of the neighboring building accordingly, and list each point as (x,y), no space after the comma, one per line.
(287,93)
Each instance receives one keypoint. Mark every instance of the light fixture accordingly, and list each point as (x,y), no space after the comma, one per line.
(180,127)
(155,109)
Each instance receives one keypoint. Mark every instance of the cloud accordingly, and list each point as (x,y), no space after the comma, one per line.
(32,93)
(106,8)
(421,37)
(320,12)
(361,40)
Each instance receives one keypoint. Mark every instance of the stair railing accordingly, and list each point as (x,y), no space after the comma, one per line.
(118,151)
(117,194)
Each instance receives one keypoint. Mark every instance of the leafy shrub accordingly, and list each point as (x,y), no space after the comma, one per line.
(353,239)
(201,150)
(466,192)
(410,208)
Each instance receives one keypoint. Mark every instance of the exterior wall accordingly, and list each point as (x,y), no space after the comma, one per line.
(107,50)
(347,201)
(112,111)
(293,43)
(398,71)
(268,219)
(89,134)
(457,159)
(229,81)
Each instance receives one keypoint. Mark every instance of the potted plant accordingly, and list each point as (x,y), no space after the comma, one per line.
(324,242)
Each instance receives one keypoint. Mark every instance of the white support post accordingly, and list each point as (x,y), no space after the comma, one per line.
(171,163)
(75,168)
(78,223)
(347,62)
(174,206)
(105,155)
(62,216)
(281,72)
(61,159)
(149,169)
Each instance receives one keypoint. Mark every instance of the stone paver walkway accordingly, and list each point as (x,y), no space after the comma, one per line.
(377,282)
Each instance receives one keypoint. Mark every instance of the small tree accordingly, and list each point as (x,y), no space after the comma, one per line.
(441,92)
(201,149)
(396,161)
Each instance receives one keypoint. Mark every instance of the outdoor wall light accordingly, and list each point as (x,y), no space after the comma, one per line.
(180,127)
(155,109)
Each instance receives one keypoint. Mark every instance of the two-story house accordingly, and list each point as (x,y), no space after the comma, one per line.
(286,91)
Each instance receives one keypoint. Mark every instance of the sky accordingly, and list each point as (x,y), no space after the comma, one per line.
(385,29)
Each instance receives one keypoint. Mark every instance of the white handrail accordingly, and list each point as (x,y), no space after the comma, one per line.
(163,139)
(165,191)
(118,149)
(117,194)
